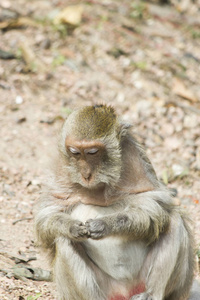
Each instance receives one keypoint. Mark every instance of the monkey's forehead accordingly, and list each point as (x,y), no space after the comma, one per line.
(93,122)
(83,143)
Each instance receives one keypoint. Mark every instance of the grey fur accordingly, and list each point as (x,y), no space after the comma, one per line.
(141,236)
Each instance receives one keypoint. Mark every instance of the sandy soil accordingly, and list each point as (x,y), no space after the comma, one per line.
(141,57)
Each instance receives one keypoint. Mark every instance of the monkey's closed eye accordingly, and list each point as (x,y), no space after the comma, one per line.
(92,151)
(74,150)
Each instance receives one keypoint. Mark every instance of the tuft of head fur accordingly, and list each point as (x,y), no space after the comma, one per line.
(96,121)
(91,122)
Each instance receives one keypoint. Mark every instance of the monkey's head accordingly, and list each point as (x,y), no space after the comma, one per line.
(90,142)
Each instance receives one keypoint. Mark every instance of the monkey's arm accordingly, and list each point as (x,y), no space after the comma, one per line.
(53,221)
(146,216)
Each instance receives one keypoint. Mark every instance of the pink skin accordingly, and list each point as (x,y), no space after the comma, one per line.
(135,291)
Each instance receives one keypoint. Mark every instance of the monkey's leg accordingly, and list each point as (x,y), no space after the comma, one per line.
(74,276)
(143,296)
(195,291)
(168,270)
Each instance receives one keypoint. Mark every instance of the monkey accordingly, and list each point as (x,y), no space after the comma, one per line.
(111,228)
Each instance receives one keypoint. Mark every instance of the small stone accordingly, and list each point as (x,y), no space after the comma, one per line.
(168,129)
(190,121)
(172,143)
(177,169)
(19,100)
(5,4)
(8,190)
(120,97)
(35,182)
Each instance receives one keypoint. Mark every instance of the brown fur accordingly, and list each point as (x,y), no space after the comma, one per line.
(109,225)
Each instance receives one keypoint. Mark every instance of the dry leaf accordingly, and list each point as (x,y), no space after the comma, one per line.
(181,90)
(24,271)
(165,177)
(17,23)
(183,6)
(33,63)
(70,15)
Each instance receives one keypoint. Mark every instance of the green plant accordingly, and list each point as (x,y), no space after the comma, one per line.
(58,60)
(34,297)
(137,10)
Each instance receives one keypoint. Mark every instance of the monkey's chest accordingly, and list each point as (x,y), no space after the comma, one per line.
(117,257)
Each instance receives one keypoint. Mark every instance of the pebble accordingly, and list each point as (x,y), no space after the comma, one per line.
(172,143)
(177,169)
(19,100)
(168,129)
(190,122)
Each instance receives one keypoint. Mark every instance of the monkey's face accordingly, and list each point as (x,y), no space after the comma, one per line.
(89,163)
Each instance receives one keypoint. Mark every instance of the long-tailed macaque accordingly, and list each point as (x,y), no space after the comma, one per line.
(112,229)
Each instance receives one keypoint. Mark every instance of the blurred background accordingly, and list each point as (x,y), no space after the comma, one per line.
(142,57)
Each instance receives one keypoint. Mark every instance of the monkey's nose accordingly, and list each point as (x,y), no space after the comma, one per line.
(86,175)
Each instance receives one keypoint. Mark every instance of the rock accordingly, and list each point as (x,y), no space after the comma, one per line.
(19,100)
(190,121)
(71,15)
(172,143)
(8,190)
(177,170)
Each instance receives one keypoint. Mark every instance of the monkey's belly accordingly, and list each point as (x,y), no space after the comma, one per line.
(118,258)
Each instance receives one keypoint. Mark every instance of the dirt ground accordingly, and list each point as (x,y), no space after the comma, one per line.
(141,57)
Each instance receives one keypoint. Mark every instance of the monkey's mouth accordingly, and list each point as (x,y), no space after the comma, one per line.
(91,184)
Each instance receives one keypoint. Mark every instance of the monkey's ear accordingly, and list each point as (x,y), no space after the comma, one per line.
(123,129)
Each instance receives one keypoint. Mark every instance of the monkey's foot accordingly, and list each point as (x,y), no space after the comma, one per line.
(143,296)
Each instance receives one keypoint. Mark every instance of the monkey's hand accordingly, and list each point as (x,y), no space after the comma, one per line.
(97,228)
(77,230)
(115,224)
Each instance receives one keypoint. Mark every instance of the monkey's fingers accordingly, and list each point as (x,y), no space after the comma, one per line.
(78,230)
(96,228)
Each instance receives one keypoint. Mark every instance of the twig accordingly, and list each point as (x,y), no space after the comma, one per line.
(184,107)
(22,219)
(17,258)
